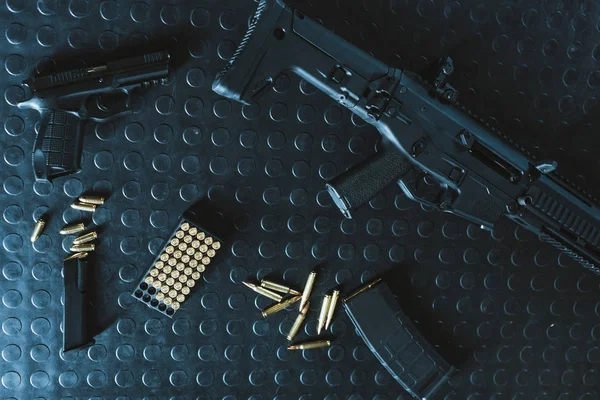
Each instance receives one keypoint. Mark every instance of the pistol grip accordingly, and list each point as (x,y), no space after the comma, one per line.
(57,149)
(363,181)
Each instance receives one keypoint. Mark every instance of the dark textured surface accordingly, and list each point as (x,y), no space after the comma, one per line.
(526,318)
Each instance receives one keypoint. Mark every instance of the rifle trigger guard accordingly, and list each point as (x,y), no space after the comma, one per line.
(422,188)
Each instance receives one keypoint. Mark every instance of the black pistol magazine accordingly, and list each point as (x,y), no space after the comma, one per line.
(396,342)
(77,330)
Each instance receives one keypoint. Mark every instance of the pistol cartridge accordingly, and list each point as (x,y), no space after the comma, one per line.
(83,247)
(97,200)
(84,206)
(37,229)
(74,228)
(76,255)
(88,237)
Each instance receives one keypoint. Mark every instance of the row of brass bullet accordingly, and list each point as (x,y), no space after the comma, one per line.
(304,304)
(272,289)
(181,264)
(325,316)
(88,203)
(327,310)
(82,244)
(84,203)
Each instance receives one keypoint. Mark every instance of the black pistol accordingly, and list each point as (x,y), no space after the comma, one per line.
(439,153)
(66,99)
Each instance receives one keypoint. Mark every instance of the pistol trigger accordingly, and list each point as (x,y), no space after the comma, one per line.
(103,107)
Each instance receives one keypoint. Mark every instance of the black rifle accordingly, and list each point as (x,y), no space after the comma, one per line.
(439,153)
(66,99)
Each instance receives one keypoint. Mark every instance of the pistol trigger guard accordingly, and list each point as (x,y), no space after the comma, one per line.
(101,108)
